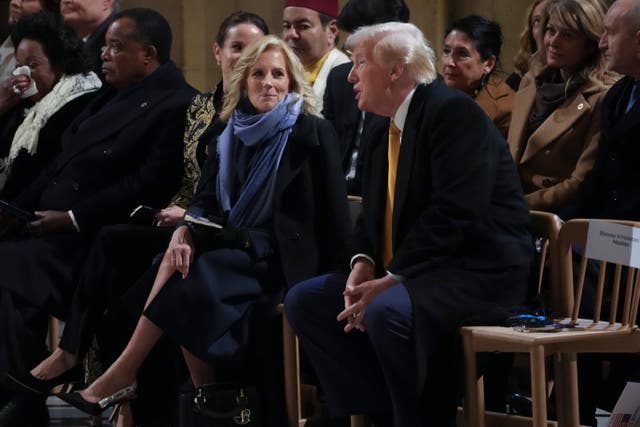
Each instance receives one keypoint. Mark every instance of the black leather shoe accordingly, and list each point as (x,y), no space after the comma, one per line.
(25,410)
(26,381)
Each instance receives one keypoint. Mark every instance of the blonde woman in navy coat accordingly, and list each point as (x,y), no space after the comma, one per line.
(275,187)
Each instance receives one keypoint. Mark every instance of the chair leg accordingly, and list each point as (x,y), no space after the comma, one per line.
(566,369)
(53,336)
(291,373)
(359,421)
(473,388)
(538,386)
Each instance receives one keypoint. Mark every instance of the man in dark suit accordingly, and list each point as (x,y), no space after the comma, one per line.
(123,150)
(442,240)
(90,20)
(611,190)
(354,127)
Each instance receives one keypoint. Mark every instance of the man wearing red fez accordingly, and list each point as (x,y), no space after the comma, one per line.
(309,28)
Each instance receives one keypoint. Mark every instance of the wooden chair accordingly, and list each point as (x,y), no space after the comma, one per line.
(291,351)
(53,336)
(585,335)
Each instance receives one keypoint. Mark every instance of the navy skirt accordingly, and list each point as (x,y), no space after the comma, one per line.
(208,311)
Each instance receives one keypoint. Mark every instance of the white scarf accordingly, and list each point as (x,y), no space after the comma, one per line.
(26,136)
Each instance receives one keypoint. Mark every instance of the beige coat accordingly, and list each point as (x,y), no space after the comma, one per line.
(555,159)
(496,99)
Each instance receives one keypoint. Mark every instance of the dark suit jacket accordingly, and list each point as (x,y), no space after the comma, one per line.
(460,220)
(311,221)
(610,190)
(340,107)
(123,150)
(26,168)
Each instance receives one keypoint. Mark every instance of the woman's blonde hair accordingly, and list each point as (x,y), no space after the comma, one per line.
(527,42)
(250,54)
(585,17)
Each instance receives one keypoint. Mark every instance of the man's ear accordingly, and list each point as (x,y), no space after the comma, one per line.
(397,70)
(150,54)
(332,31)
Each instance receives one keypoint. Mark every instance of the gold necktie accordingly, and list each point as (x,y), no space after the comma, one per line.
(392,157)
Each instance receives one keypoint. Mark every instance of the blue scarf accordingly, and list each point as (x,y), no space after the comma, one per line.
(268,133)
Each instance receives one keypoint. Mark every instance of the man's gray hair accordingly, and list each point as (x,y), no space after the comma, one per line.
(399,42)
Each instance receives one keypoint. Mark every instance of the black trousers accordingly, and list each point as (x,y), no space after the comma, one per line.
(23,330)
(119,257)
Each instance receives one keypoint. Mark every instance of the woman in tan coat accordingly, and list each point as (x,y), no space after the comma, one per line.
(555,125)
(470,61)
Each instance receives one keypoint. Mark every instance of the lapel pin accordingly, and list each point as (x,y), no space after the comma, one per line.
(580,106)
(144,104)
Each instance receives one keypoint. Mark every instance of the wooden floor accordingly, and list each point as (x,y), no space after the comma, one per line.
(62,415)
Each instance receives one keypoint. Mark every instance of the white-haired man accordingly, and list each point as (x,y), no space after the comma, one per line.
(442,240)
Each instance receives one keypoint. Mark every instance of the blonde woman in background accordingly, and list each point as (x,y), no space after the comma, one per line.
(530,41)
(555,124)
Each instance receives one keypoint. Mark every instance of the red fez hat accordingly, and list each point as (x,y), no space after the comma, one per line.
(328,7)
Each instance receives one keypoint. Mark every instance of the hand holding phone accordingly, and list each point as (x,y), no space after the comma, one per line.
(15,212)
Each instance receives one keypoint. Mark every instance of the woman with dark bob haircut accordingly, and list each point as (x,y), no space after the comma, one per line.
(46,91)
(470,61)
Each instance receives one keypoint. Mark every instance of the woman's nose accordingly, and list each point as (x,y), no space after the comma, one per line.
(448,61)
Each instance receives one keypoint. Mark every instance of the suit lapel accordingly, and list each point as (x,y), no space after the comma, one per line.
(560,121)
(616,122)
(407,155)
(295,154)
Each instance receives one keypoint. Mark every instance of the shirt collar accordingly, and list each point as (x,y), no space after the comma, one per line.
(401,114)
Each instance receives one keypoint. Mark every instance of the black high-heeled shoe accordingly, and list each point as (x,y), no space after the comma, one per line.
(95,408)
(26,381)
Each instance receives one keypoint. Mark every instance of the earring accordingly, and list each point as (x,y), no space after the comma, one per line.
(484,78)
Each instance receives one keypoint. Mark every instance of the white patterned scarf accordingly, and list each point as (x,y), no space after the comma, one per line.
(26,136)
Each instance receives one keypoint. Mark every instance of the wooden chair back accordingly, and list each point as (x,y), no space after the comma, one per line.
(615,240)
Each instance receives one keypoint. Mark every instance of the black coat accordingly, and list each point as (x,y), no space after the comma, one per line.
(311,223)
(123,150)
(340,107)
(26,168)
(610,190)
(460,220)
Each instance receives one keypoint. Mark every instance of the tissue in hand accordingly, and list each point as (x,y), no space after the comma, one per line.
(32,89)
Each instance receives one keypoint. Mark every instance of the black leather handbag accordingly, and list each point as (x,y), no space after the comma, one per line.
(226,405)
